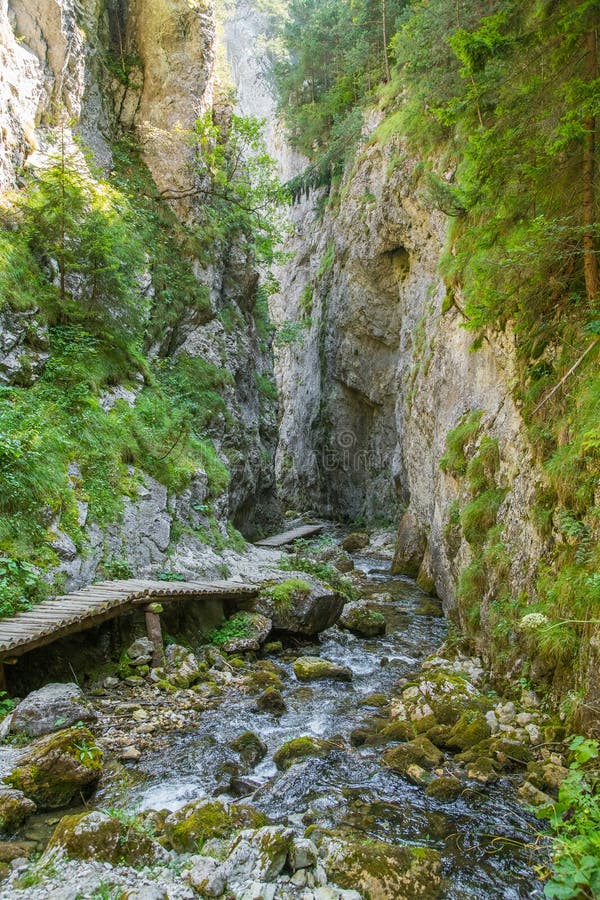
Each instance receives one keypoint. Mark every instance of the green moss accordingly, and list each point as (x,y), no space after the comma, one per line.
(479,516)
(284,593)
(299,749)
(188,828)
(327,261)
(482,468)
(238,626)
(471,729)
(454,460)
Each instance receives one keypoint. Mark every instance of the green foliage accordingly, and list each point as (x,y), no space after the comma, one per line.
(116,569)
(454,460)
(300,561)
(479,516)
(327,261)
(266,387)
(483,467)
(6,704)
(20,586)
(575,824)
(238,626)
(284,593)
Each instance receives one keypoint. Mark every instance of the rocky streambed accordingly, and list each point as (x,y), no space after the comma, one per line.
(372,760)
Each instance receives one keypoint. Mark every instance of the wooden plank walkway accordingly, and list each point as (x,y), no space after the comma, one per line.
(97,603)
(288,537)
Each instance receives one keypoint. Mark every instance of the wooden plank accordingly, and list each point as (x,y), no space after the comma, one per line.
(288,537)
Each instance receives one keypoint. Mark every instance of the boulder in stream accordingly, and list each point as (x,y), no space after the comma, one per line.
(271,700)
(358,618)
(381,871)
(298,749)
(58,768)
(255,629)
(420,751)
(250,748)
(314,668)
(203,820)
(50,709)
(300,604)
(358,540)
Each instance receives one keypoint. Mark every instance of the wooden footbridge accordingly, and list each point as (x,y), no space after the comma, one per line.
(97,603)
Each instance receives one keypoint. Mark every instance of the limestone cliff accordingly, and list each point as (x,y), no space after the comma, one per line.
(108,68)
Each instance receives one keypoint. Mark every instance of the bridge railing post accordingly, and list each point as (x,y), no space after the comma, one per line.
(154,631)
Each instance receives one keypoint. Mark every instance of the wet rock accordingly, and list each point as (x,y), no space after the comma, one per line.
(308,612)
(203,820)
(314,668)
(359,619)
(446,788)
(358,540)
(534,797)
(257,629)
(11,850)
(482,770)
(374,700)
(271,700)
(52,708)
(471,729)
(250,747)
(381,871)
(15,808)
(410,547)
(430,607)
(140,652)
(258,856)
(299,749)
(242,787)
(58,768)
(99,836)
(207,877)
(130,754)
(419,751)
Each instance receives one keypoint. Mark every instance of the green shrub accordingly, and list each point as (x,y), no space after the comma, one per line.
(483,467)
(478,516)
(238,626)
(284,593)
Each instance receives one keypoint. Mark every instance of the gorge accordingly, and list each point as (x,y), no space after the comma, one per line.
(268,262)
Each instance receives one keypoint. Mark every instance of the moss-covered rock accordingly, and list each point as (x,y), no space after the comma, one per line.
(358,540)
(182,668)
(271,700)
(420,751)
(299,749)
(188,828)
(439,735)
(250,748)
(15,807)
(446,788)
(470,729)
(314,668)
(482,770)
(380,871)
(358,618)
(105,838)
(253,633)
(58,768)
(510,753)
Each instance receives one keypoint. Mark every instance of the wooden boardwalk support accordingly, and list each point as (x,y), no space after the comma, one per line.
(97,603)
(288,537)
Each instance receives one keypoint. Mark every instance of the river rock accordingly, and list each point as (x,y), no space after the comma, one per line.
(50,709)
(141,651)
(420,751)
(358,540)
(250,747)
(298,749)
(100,836)
(359,619)
(258,856)
(381,871)
(410,547)
(182,668)
(207,876)
(15,807)
(314,668)
(271,700)
(302,855)
(203,820)
(58,768)
(445,788)
(308,612)
(258,629)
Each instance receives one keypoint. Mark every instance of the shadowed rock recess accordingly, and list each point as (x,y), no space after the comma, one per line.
(272,268)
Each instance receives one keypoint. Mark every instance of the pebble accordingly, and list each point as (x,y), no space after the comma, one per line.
(130,753)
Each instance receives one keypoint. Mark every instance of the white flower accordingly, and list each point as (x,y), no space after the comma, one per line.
(533,621)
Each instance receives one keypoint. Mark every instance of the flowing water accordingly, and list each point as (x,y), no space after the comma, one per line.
(483,836)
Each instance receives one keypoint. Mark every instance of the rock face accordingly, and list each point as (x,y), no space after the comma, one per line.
(52,708)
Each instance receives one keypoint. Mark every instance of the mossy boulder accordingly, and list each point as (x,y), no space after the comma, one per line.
(51,708)
(188,828)
(471,728)
(299,749)
(182,668)
(314,668)
(482,770)
(420,751)
(271,700)
(380,871)
(358,540)
(397,731)
(104,838)
(358,618)
(446,788)
(250,748)
(300,604)
(15,807)
(58,768)
(256,629)
(510,753)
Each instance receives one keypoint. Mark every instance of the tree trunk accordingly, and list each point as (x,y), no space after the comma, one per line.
(385,39)
(590,259)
